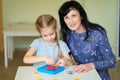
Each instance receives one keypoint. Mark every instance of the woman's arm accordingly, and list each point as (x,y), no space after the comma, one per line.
(108,58)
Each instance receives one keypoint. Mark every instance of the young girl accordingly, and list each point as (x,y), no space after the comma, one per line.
(47,49)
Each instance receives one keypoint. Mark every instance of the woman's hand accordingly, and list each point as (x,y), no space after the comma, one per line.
(84,67)
(49,60)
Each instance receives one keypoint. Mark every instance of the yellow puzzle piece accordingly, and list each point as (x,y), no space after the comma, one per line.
(35,73)
(39,79)
(76,78)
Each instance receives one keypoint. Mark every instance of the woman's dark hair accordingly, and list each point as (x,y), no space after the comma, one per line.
(65,9)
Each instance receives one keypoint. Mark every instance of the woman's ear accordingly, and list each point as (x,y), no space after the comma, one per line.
(81,17)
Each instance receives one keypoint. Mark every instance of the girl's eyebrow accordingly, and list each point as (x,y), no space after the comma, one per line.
(48,34)
(52,33)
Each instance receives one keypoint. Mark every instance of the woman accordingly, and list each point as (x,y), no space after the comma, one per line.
(87,41)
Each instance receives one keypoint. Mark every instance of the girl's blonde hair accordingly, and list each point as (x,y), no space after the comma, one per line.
(45,21)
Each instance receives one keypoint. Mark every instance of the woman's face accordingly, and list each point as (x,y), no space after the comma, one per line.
(73,20)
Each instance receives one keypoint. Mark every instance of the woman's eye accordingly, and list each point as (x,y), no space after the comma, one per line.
(65,17)
(73,15)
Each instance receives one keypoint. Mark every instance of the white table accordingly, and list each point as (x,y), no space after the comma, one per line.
(16,30)
(27,73)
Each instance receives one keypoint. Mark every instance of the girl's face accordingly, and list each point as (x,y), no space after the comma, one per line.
(73,20)
(48,34)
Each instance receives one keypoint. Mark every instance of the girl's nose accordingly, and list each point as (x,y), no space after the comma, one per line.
(50,37)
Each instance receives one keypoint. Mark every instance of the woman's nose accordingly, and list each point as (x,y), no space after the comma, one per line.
(70,20)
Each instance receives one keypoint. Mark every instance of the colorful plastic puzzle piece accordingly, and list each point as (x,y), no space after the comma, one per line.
(35,73)
(76,78)
(50,69)
(70,72)
(55,79)
(39,79)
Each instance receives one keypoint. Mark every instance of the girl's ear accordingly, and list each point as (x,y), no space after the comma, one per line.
(40,36)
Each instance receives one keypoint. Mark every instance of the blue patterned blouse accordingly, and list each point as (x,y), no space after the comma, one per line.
(95,49)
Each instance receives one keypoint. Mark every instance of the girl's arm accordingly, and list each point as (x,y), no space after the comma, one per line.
(66,60)
(30,58)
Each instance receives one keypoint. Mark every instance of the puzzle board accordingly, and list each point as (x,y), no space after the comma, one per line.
(50,69)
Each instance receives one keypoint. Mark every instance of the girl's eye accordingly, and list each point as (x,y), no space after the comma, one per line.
(52,34)
(44,35)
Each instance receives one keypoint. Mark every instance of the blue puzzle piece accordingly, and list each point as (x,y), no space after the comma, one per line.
(50,69)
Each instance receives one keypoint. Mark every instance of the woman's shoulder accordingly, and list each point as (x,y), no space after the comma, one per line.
(97,31)
(97,34)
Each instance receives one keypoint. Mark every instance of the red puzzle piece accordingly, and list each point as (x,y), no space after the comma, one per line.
(50,67)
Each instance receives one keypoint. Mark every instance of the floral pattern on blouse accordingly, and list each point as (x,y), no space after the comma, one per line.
(95,49)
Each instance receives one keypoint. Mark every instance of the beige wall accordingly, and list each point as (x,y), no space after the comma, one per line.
(103,12)
(1,34)
(27,11)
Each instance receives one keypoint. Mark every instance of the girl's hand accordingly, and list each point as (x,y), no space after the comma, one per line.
(84,67)
(49,60)
(61,62)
